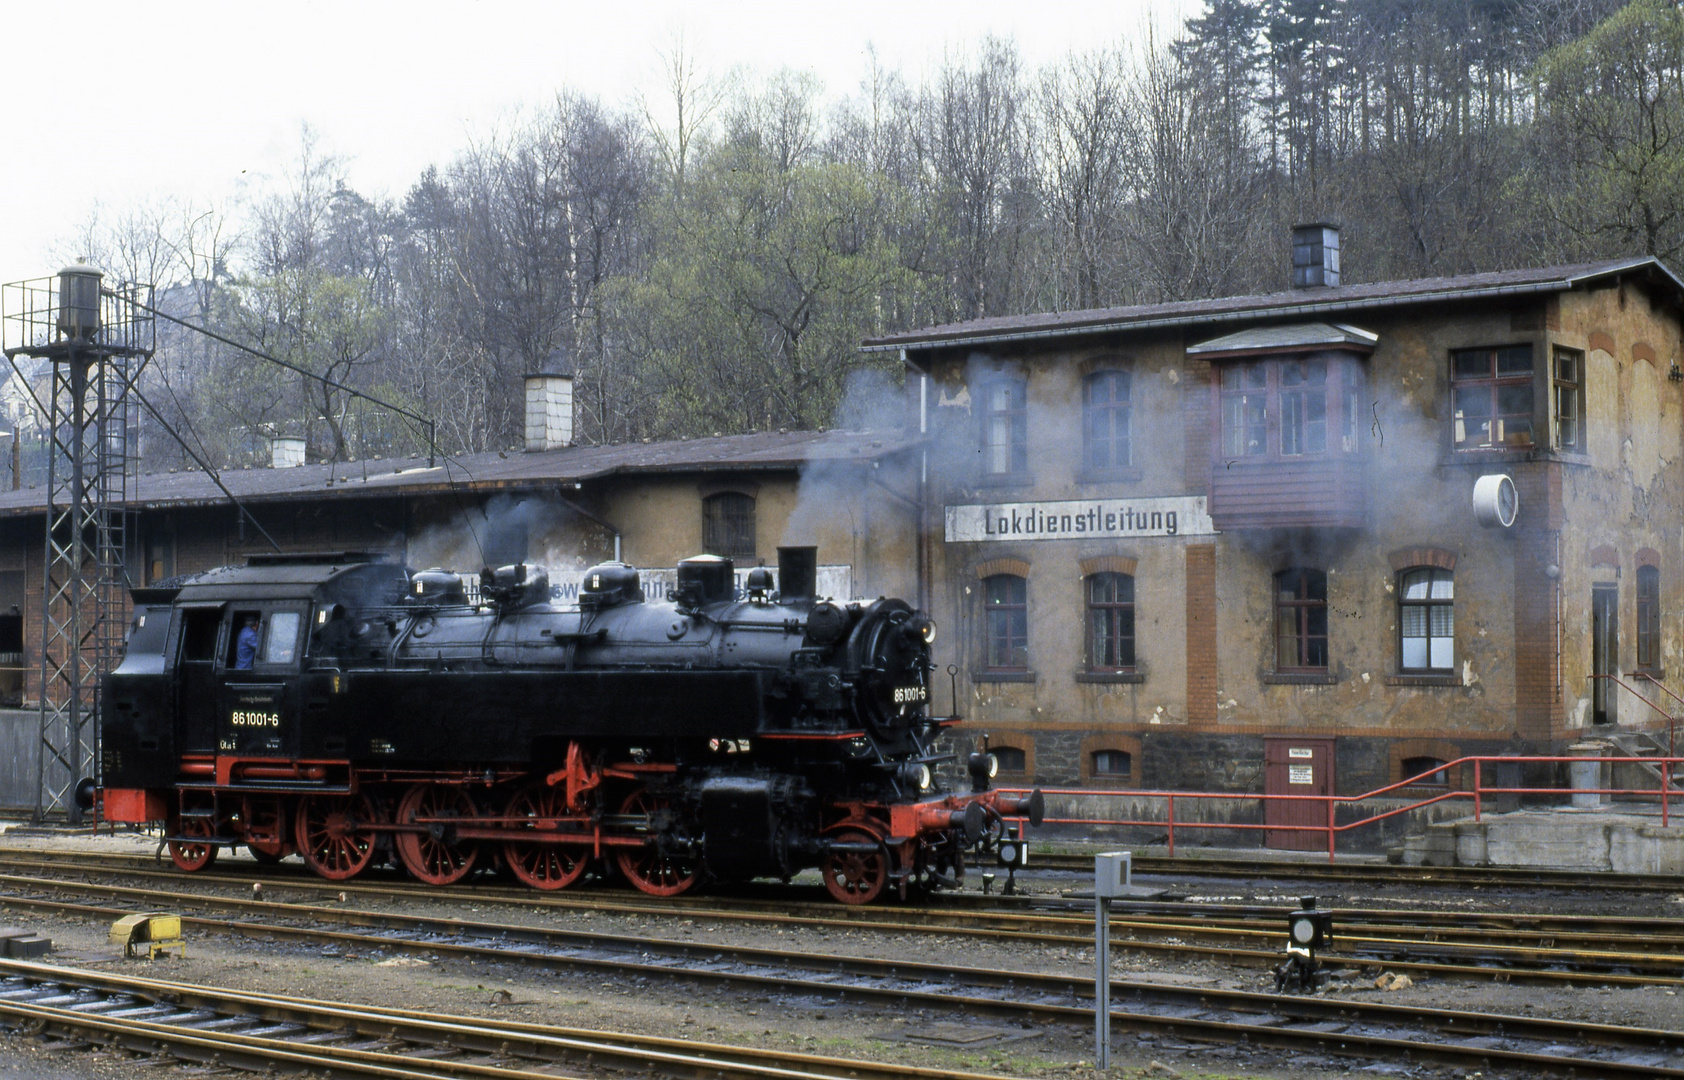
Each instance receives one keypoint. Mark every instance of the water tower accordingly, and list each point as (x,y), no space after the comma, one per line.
(88,340)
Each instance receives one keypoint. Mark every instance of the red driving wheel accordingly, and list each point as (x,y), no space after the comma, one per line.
(856,877)
(190,855)
(334,834)
(645,867)
(542,865)
(434,855)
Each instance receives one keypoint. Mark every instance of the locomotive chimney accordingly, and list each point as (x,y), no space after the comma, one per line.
(549,405)
(798,573)
(1315,255)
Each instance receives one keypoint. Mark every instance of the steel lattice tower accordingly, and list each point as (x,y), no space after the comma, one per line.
(95,340)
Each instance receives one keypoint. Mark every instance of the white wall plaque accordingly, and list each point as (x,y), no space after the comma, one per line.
(1079,519)
(1300,751)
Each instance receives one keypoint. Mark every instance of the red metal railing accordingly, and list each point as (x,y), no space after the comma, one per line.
(1475,794)
(1671,720)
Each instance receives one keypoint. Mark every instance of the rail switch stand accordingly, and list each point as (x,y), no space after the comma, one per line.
(1306,931)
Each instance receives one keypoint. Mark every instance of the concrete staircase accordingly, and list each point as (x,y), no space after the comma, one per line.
(1642,775)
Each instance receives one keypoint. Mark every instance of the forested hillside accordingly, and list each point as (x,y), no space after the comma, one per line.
(709,258)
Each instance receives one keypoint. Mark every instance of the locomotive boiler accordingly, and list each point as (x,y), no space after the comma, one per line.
(352,711)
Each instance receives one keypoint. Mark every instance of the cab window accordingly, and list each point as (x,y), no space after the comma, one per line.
(281,645)
(245,633)
(198,635)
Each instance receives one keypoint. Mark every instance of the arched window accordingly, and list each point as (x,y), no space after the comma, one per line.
(1648,616)
(1010,758)
(1005,428)
(1426,620)
(1106,420)
(728,525)
(1112,765)
(1110,622)
(1430,770)
(1301,620)
(1006,612)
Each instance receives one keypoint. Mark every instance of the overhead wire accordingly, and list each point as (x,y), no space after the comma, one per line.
(427,423)
(210,472)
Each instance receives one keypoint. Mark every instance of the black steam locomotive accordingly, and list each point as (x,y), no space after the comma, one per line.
(349,710)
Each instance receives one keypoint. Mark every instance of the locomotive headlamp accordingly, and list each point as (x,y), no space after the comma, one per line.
(922,626)
(916,774)
(982,766)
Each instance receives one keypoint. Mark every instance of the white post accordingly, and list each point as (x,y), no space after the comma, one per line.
(1111,874)
(1101,983)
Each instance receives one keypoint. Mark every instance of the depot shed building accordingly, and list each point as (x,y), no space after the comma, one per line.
(1231,544)
(560,505)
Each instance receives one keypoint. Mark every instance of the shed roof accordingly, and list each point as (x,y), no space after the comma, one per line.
(1289,336)
(498,470)
(1293,303)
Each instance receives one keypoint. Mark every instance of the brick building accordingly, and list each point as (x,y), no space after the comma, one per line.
(1233,544)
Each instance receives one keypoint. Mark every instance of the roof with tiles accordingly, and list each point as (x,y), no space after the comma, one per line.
(1291,303)
(498,470)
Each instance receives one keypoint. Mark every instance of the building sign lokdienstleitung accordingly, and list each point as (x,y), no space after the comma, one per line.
(1080,519)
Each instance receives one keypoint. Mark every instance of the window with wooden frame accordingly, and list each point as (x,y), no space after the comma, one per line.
(1425,772)
(1491,398)
(728,525)
(1303,396)
(1569,384)
(1004,433)
(1110,637)
(1301,621)
(1426,621)
(1245,410)
(1006,615)
(1290,407)
(1107,420)
(1111,765)
(1649,617)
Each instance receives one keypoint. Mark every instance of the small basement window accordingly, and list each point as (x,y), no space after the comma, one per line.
(1428,771)
(1011,758)
(1112,765)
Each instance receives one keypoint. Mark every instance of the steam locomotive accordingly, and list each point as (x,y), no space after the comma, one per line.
(352,711)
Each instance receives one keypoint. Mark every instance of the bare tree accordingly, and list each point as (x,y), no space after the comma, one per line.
(1085,121)
(691,99)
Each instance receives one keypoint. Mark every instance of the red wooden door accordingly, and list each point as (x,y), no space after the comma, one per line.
(1293,765)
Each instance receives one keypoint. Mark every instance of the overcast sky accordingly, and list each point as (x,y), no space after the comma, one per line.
(135,102)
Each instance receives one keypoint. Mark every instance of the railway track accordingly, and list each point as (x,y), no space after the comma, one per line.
(1539,948)
(1367,873)
(214,1026)
(1325,1025)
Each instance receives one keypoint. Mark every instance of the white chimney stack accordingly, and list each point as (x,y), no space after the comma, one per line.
(286,452)
(1315,255)
(549,411)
